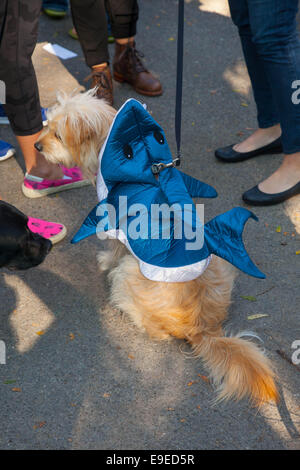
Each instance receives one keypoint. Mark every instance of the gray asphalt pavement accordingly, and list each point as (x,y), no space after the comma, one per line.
(78,374)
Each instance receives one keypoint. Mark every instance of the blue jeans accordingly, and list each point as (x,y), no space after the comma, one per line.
(271,47)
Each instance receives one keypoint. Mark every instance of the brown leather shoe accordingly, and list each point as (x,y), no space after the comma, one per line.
(128,67)
(103,81)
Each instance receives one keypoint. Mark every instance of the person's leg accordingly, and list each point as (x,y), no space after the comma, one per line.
(89,18)
(127,64)
(123,16)
(267,114)
(19,25)
(275,35)
(90,22)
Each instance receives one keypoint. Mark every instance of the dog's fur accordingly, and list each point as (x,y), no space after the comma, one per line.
(19,247)
(77,128)
(193,310)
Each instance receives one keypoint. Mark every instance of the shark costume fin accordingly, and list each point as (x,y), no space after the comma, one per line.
(197,188)
(223,236)
(90,225)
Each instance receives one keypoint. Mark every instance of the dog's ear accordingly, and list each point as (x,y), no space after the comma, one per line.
(86,129)
(61,97)
(82,140)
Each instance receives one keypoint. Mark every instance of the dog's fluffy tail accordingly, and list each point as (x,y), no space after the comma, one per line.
(237,367)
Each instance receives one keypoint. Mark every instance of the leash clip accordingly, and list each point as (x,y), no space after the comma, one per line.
(158,167)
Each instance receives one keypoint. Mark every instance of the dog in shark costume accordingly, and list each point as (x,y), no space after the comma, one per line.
(136,174)
(171,273)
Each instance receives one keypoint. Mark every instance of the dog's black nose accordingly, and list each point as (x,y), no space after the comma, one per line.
(38,146)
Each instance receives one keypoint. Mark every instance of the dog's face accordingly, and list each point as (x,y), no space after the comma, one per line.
(19,247)
(77,128)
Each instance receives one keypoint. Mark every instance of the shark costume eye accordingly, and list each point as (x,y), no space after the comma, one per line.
(159,137)
(128,152)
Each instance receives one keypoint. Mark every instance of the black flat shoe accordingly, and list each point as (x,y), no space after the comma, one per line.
(255,197)
(228,155)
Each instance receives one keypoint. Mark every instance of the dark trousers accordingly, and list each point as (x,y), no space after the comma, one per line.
(90,21)
(18,36)
(271,46)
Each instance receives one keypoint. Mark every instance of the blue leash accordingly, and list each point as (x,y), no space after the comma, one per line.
(158,167)
(178,106)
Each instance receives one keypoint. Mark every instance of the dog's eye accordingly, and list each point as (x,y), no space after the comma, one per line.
(159,137)
(128,152)
(57,136)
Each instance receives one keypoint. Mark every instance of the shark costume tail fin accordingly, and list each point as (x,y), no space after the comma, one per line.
(90,224)
(224,239)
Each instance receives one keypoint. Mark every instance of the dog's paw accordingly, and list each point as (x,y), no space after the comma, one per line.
(104,260)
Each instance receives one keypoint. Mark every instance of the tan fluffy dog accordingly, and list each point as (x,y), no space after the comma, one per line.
(194,310)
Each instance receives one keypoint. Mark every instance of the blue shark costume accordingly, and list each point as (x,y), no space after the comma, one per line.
(135,147)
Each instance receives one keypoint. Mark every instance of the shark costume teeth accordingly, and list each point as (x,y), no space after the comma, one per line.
(172,243)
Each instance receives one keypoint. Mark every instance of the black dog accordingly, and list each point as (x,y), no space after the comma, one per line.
(19,247)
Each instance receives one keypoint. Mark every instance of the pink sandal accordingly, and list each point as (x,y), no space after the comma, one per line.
(34,187)
(50,230)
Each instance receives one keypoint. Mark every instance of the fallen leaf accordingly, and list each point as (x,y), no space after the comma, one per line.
(171,39)
(130,356)
(278,229)
(106,395)
(257,315)
(203,377)
(199,407)
(16,389)
(71,336)
(249,297)
(298,252)
(182,420)
(40,333)
(244,104)
(39,425)
(170,409)
(8,382)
